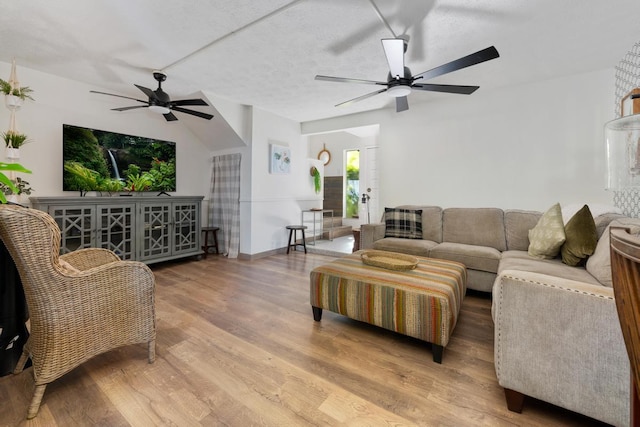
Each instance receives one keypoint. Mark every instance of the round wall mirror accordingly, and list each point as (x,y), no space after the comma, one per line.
(324,155)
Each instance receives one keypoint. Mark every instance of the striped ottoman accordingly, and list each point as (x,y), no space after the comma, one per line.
(422,303)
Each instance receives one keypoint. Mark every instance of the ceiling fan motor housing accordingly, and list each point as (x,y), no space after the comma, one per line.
(400,86)
(161,97)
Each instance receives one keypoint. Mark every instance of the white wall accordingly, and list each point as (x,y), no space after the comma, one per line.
(60,101)
(521,147)
(275,200)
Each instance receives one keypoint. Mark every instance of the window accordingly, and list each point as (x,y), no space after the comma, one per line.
(352,183)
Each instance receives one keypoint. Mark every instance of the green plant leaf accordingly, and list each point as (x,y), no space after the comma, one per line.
(15,167)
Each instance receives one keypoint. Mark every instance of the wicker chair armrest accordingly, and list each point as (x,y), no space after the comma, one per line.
(102,292)
(84,259)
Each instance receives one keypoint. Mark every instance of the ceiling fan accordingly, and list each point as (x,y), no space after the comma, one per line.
(160,102)
(400,82)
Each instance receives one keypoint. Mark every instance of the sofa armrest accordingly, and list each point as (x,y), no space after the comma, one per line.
(369,233)
(560,341)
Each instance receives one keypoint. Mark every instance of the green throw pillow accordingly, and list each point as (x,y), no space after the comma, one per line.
(582,237)
(546,238)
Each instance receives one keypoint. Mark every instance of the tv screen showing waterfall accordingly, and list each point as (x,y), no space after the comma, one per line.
(109,162)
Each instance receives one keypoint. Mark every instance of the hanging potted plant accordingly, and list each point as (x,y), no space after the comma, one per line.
(14,97)
(13,141)
(317,179)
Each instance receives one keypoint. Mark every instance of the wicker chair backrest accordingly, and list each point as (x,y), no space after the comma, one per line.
(32,237)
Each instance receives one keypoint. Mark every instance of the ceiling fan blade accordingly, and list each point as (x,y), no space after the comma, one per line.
(402,104)
(170,117)
(394,51)
(189,102)
(467,61)
(360,98)
(462,90)
(347,80)
(119,96)
(129,108)
(151,94)
(193,113)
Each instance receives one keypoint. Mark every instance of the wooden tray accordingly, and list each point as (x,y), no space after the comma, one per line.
(389,260)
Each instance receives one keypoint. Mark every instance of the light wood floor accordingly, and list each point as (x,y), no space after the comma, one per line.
(237,346)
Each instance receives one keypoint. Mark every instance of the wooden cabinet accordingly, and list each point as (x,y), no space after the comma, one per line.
(146,229)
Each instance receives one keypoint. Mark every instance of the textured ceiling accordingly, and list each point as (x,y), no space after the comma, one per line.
(266,53)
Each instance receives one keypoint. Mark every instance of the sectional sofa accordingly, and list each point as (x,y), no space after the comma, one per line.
(557,335)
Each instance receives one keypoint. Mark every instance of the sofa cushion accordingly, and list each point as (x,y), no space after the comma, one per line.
(602,221)
(599,264)
(522,261)
(517,224)
(582,237)
(403,223)
(481,258)
(431,221)
(406,246)
(474,226)
(546,238)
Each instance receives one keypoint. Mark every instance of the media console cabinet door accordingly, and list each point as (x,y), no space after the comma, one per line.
(116,229)
(186,234)
(155,228)
(76,225)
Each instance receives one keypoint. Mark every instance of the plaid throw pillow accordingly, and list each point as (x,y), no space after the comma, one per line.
(403,223)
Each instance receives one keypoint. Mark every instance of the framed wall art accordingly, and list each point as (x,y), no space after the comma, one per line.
(279,159)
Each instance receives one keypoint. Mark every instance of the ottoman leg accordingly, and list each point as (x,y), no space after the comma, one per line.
(437,352)
(515,400)
(317,313)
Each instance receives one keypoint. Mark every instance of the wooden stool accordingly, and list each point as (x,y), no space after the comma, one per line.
(293,230)
(206,246)
(356,239)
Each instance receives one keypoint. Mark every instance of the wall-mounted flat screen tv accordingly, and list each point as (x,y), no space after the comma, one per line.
(103,161)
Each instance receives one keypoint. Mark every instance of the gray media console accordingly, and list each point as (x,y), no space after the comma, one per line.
(147,229)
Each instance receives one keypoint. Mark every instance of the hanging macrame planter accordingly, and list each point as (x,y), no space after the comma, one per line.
(13,102)
(14,94)
(12,153)
(13,139)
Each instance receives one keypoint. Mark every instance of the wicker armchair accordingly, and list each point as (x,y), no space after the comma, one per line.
(81,304)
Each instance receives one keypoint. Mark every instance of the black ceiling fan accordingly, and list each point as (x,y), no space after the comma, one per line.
(160,102)
(400,82)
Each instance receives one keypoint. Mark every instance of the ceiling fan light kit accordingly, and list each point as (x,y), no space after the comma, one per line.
(400,81)
(159,110)
(399,90)
(160,102)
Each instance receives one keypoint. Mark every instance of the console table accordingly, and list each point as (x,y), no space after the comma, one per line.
(313,213)
(147,229)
